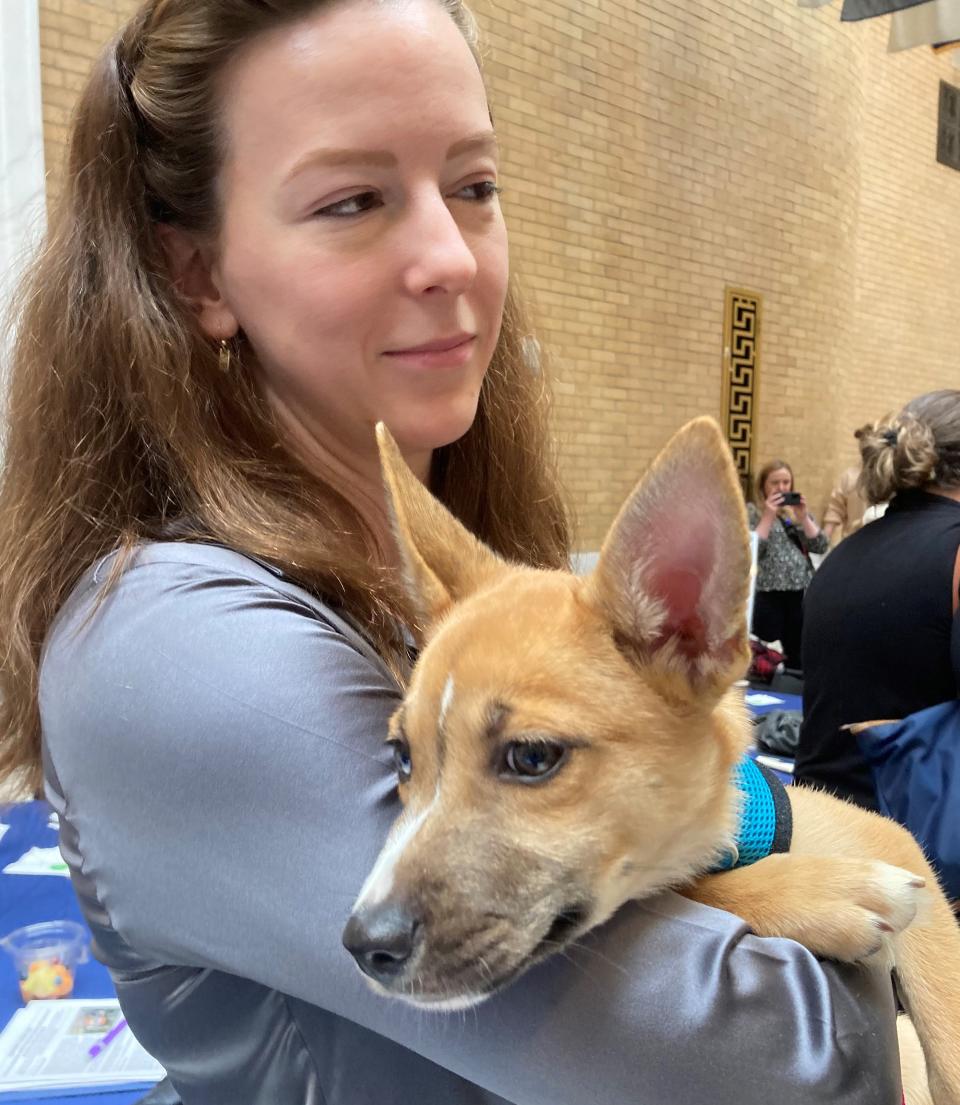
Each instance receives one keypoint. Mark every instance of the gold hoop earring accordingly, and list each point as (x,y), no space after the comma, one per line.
(225,355)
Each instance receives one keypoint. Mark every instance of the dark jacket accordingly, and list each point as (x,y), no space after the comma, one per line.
(879,637)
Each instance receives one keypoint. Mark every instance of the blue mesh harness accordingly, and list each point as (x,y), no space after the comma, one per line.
(766,820)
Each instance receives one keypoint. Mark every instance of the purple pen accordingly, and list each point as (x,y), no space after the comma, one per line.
(104,1040)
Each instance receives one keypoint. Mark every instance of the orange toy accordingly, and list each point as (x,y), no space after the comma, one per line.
(46,978)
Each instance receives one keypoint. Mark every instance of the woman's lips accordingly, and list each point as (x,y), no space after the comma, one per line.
(443,353)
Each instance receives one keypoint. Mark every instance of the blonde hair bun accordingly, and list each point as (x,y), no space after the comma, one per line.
(920,446)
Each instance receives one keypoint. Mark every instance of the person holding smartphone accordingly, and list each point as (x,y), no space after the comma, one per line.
(787,535)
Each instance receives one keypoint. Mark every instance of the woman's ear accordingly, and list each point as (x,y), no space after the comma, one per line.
(190,268)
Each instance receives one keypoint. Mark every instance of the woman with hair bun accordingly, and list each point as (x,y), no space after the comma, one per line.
(881,639)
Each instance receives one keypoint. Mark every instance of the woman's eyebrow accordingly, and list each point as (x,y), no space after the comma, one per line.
(483,142)
(334,158)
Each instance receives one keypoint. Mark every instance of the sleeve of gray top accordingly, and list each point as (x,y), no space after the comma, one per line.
(220,745)
(818,544)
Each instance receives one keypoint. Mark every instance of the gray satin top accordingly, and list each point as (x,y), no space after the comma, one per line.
(213,741)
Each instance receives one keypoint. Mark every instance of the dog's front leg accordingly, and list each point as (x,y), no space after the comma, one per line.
(839,908)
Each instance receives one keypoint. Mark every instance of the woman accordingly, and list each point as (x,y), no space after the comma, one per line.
(844,511)
(787,535)
(282,225)
(881,640)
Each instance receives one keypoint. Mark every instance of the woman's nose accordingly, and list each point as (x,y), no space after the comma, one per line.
(440,258)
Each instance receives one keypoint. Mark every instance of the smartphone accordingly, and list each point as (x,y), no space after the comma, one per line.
(790,498)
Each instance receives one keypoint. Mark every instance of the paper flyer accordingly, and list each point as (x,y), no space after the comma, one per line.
(47,1045)
(758,698)
(38,861)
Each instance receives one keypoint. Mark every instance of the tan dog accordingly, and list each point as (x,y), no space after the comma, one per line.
(567,744)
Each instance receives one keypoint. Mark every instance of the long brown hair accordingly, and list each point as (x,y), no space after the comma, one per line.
(122,429)
(918,447)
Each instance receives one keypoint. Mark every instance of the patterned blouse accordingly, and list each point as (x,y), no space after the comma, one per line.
(781,566)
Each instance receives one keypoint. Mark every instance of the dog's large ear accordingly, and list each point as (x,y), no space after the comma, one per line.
(442,561)
(674,570)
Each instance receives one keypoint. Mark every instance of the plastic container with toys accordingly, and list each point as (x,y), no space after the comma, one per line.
(46,956)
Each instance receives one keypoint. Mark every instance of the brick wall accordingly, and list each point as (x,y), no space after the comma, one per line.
(906,324)
(655,153)
(658,152)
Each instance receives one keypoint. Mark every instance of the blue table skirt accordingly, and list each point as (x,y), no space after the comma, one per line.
(26,899)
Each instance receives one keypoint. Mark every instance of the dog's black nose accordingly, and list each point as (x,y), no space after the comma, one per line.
(382,940)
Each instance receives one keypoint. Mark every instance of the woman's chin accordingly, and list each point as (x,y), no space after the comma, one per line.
(432,426)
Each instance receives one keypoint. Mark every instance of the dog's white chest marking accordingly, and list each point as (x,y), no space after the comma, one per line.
(446,700)
(379,883)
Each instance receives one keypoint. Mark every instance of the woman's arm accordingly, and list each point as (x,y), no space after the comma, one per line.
(762,521)
(220,745)
(817,541)
(835,515)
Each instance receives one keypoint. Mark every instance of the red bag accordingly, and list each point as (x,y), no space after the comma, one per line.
(765,663)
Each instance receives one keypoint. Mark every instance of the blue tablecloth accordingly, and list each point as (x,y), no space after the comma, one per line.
(25,899)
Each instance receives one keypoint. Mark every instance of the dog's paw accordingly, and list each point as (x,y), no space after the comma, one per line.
(864,903)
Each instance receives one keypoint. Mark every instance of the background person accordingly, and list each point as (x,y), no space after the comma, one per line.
(787,535)
(847,510)
(844,511)
(881,640)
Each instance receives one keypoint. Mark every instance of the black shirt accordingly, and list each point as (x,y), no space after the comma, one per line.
(879,637)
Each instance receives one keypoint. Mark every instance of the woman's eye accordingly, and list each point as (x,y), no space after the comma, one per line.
(402,761)
(533,761)
(352,205)
(480,192)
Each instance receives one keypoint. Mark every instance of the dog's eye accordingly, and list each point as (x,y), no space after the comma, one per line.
(532,761)
(402,761)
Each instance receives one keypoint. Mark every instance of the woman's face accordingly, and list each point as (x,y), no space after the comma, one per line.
(363,251)
(780,480)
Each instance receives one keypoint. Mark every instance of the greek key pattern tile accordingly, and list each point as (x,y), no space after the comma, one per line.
(741,365)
